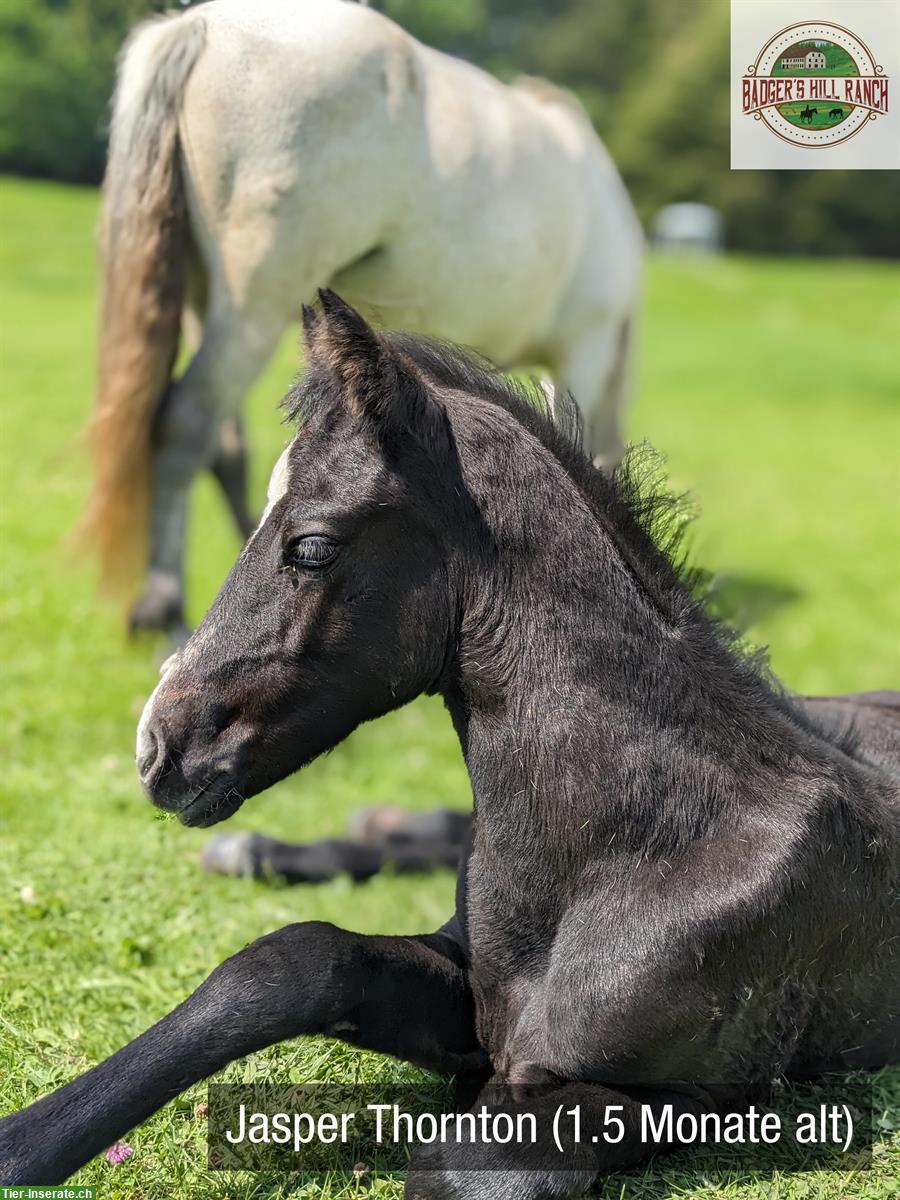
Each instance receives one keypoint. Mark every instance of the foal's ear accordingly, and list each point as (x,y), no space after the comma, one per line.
(374,380)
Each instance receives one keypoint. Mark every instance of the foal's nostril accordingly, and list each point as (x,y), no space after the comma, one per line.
(148,753)
(222,717)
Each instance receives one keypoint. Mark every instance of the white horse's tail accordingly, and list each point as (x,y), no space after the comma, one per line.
(143,242)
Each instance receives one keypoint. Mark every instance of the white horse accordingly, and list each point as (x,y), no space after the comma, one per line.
(259,151)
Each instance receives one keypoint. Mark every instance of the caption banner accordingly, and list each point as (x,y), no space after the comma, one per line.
(323,1127)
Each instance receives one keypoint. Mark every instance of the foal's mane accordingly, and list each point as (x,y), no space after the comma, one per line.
(646,520)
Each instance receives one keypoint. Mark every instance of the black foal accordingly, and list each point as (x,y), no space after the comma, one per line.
(680,884)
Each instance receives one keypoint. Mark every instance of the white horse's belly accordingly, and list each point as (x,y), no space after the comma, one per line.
(491,223)
(498,294)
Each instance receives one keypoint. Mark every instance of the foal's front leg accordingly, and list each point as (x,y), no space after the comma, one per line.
(406,996)
(609,1125)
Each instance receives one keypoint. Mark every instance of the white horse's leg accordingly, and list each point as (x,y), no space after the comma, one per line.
(230,470)
(234,349)
(596,369)
(229,465)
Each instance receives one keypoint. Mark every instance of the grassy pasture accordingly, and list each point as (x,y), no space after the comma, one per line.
(772,386)
(820,118)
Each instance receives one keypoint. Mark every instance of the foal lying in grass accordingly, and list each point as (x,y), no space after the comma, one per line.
(680,884)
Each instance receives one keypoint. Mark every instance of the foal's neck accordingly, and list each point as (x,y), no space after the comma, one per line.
(589,681)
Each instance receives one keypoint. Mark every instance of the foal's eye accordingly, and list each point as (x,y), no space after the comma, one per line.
(310,553)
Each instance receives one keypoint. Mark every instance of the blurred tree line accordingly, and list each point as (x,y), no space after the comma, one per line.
(652,74)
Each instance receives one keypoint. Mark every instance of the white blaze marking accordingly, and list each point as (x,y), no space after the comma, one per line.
(144,722)
(278,486)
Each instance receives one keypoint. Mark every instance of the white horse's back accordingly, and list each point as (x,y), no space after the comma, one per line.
(419,185)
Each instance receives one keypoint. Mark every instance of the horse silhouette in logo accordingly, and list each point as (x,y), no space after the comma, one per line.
(836,114)
(807,114)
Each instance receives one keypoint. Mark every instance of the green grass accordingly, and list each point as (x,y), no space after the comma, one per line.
(772,385)
(820,117)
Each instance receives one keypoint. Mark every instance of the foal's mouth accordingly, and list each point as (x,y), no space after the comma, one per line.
(216,801)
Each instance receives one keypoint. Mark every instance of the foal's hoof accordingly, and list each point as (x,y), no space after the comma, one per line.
(230,854)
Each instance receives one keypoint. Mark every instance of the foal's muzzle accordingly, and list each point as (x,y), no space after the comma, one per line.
(185,767)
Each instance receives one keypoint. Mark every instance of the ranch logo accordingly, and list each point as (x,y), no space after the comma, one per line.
(815,85)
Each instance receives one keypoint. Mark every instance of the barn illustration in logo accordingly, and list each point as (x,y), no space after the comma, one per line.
(815,85)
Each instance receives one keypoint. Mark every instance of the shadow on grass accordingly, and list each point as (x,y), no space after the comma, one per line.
(743,600)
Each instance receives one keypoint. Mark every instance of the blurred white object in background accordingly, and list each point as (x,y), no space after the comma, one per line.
(689,228)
